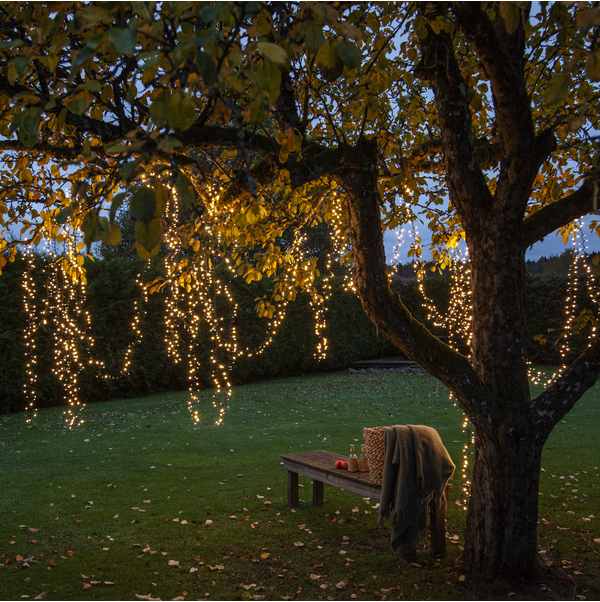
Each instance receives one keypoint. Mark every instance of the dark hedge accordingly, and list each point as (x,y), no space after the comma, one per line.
(111,293)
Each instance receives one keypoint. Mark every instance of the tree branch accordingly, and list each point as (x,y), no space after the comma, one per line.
(386,309)
(558,214)
(466,183)
(556,401)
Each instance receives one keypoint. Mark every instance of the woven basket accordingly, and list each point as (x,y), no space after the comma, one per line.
(374,442)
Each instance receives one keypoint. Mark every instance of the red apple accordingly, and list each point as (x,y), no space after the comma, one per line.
(345,465)
(338,464)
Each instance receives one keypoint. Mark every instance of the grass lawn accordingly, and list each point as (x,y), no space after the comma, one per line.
(139,501)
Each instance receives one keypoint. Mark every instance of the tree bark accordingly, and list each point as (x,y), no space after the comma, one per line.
(501,535)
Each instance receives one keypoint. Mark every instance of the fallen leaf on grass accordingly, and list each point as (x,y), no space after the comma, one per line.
(298,544)
(109,583)
(216,567)
(87,586)
(32,530)
(597,540)
(173,562)
(341,584)
(40,596)
(184,522)
(19,558)
(343,552)
(193,570)
(314,577)
(69,553)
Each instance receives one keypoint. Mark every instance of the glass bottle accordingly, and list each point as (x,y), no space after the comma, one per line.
(363,461)
(352,461)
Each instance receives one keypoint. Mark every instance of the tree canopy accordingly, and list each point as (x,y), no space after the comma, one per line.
(231,127)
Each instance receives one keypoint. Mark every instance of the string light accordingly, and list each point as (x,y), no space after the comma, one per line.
(62,311)
(572,318)
(458,322)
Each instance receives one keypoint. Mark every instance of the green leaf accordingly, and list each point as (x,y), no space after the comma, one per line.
(82,57)
(21,64)
(159,107)
(30,120)
(143,205)
(113,235)
(91,230)
(78,106)
(94,43)
(557,89)
(123,40)
(420,28)
(10,44)
(115,205)
(272,52)
(350,54)
(184,191)
(148,235)
(207,68)
(169,142)
(116,148)
(181,111)
(329,62)
(209,13)
(63,215)
(313,36)
(92,86)
(28,123)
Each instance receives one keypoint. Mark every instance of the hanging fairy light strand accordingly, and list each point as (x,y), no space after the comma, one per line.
(457,321)
(63,312)
(579,268)
(30,337)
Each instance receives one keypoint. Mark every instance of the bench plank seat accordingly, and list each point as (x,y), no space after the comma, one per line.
(319,465)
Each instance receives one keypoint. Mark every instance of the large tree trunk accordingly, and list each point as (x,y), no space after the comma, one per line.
(501,536)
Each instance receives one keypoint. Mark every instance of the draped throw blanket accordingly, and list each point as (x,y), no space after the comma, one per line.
(417,468)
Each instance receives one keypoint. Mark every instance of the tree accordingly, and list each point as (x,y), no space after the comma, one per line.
(266,118)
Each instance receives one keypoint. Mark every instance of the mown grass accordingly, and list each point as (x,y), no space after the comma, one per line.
(68,499)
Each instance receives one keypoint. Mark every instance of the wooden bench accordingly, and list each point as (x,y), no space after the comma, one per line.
(320,466)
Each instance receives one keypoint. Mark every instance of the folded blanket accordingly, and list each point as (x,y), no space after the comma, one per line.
(416,469)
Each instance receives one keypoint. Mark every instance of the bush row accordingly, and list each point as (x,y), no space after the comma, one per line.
(110,297)
(112,292)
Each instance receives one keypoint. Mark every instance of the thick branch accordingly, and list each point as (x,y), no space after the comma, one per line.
(558,214)
(556,401)
(386,309)
(505,70)
(58,152)
(466,183)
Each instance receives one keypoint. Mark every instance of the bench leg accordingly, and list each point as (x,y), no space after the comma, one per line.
(437,521)
(292,478)
(318,493)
